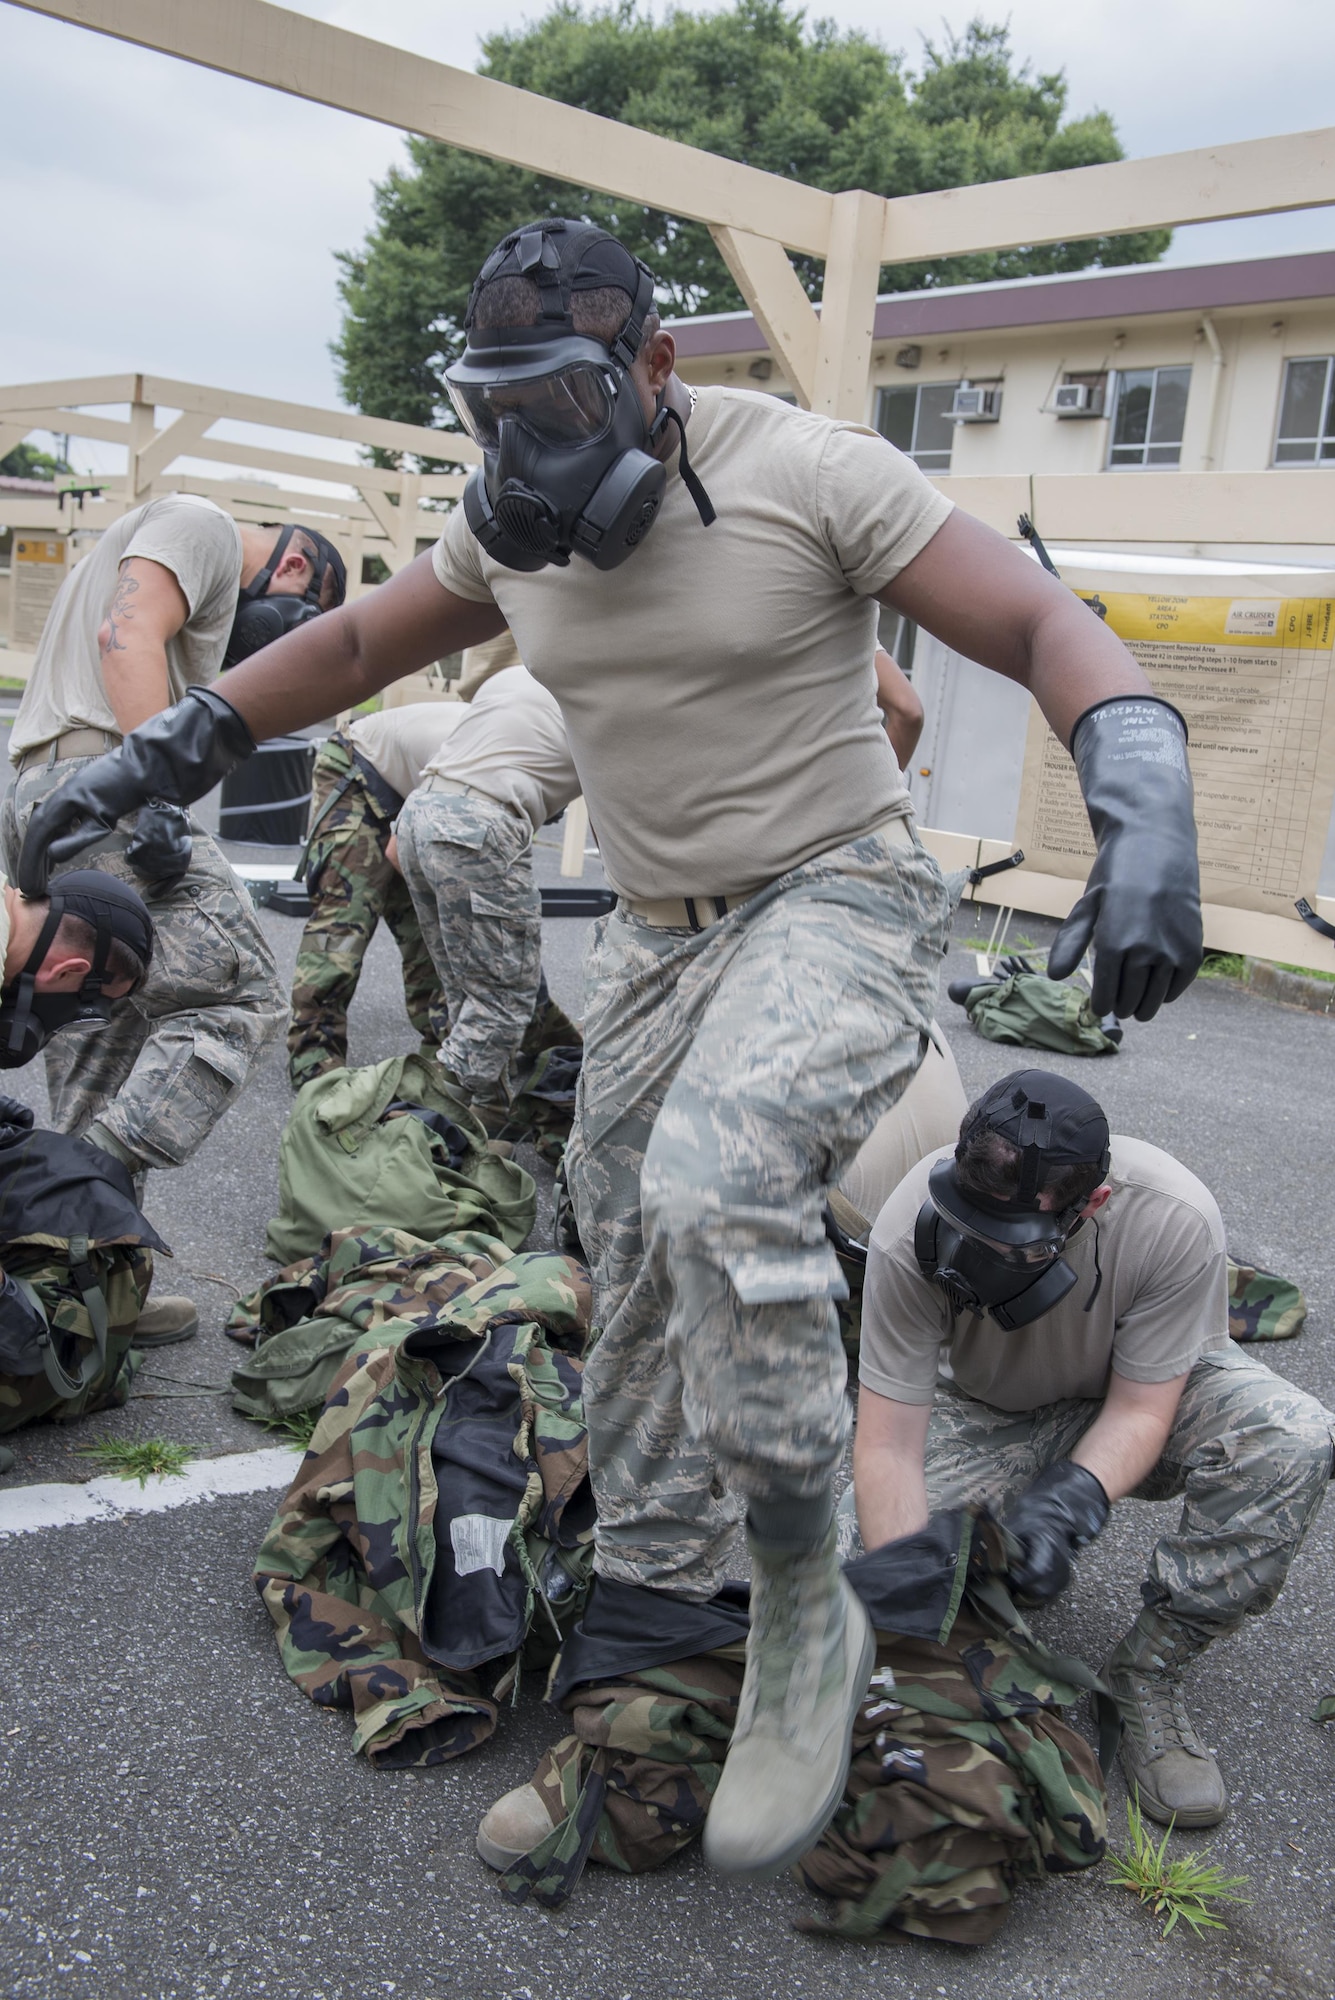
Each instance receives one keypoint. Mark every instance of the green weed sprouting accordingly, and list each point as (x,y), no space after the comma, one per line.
(136,1459)
(1184,1887)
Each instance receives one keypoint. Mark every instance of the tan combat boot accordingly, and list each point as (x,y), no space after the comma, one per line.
(516,1824)
(1163,1758)
(809,1656)
(166,1320)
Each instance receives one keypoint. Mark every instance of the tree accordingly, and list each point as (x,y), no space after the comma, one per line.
(26,462)
(757,83)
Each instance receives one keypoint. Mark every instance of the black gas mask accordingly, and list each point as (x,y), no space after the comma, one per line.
(569,463)
(1004,1257)
(261,619)
(28,1018)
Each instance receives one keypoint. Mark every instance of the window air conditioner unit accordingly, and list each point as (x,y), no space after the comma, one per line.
(976,406)
(1078,399)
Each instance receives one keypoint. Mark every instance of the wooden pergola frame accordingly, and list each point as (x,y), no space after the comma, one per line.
(755,219)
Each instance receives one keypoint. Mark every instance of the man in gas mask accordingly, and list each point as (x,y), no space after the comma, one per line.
(1045,1332)
(167,597)
(696,579)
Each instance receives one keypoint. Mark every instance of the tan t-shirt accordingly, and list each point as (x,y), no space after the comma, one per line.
(201,546)
(511,744)
(400,742)
(718,686)
(481,662)
(1162,1304)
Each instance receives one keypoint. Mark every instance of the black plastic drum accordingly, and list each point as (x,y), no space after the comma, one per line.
(267,800)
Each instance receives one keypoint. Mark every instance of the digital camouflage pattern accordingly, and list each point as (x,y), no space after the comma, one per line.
(468,863)
(631,1787)
(966,1781)
(1262,1306)
(1249,1455)
(174,1056)
(124,1275)
(345,1569)
(361,1290)
(353,889)
(729,1077)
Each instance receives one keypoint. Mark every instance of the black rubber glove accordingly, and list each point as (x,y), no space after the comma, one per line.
(14,1113)
(1064,1509)
(1142,903)
(160,846)
(173,759)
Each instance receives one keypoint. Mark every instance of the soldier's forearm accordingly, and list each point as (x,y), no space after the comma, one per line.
(334,662)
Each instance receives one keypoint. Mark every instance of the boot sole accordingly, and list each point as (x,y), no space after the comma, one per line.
(768,1870)
(1162,1815)
(150,1340)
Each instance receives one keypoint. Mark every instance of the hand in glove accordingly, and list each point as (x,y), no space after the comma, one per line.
(160,847)
(1141,908)
(172,760)
(1064,1509)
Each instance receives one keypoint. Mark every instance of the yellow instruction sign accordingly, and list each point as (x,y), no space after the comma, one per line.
(1252,673)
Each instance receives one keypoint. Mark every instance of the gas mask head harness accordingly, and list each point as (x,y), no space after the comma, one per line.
(569,463)
(28,1018)
(261,619)
(1004,1257)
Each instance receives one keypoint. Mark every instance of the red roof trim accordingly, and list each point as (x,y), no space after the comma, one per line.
(1120,294)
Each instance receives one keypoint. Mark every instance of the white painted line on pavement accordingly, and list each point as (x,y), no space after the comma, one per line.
(24,1509)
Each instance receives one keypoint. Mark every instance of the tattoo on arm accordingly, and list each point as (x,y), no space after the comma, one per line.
(122,607)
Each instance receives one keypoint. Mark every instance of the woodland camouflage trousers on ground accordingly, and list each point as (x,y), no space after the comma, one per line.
(157,1079)
(729,1077)
(353,887)
(1249,1455)
(469,865)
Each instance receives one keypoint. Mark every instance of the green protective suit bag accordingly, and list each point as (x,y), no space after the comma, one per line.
(1034,1012)
(352,1159)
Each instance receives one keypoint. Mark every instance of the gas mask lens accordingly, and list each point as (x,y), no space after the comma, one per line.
(574,406)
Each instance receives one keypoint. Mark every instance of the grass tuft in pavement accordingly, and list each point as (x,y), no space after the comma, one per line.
(1186,1887)
(298,1425)
(138,1458)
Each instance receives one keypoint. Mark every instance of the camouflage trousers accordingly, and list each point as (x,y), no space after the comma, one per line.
(1249,1456)
(469,865)
(152,1084)
(729,1078)
(353,887)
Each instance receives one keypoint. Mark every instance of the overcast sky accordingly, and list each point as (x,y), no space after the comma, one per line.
(159,217)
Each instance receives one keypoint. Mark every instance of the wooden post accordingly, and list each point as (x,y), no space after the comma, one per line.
(848,306)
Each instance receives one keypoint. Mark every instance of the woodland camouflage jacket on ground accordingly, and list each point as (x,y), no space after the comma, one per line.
(364,1289)
(966,1777)
(377,1587)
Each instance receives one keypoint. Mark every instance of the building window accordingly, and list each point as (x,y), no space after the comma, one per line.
(1148,416)
(918,421)
(1307,413)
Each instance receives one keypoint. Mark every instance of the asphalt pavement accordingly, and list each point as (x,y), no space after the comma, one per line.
(176,1820)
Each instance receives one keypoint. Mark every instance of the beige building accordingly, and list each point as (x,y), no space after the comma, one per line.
(1155,368)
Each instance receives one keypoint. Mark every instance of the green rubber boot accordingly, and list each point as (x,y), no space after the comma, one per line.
(809,1657)
(1163,1759)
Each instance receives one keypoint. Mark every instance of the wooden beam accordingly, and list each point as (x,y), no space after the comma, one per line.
(183,434)
(1209,184)
(77,423)
(456,446)
(848,307)
(273,46)
(783,312)
(82,389)
(1264,507)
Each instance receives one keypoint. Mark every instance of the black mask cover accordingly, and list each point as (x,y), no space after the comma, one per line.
(1004,1257)
(28,1018)
(261,619)
(569,463)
